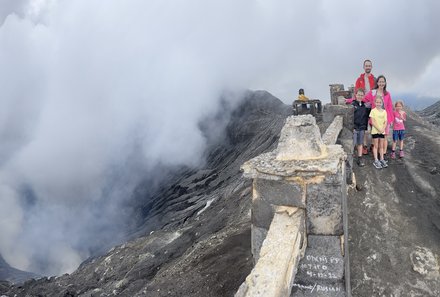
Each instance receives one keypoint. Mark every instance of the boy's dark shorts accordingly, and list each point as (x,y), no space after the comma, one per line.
(377,136)
(398,135)
(358,137)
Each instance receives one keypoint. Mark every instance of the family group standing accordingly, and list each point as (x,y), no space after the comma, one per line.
(374,112)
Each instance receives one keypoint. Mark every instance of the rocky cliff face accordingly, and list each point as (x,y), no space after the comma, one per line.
(194,233)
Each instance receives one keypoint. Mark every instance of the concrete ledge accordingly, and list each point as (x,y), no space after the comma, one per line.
(331,134)
(275,271)
(266,165)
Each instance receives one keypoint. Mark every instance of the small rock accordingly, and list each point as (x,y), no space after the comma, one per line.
(424,262)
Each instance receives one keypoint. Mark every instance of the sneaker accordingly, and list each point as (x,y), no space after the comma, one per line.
(365,150)
(401,154)
(360,162)
(393,155)
(377,164)
(383,163)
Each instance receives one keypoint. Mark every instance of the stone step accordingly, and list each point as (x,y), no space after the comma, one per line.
(321,270)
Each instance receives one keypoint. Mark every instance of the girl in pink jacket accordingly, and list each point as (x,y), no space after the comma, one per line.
(381,89)
(398,129)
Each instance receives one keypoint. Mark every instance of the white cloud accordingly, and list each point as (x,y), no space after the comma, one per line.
(427,83)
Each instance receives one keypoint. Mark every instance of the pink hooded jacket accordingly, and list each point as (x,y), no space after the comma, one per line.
(387,104)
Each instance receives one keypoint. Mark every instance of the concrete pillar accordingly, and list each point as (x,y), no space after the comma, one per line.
(333,89)
(305,173)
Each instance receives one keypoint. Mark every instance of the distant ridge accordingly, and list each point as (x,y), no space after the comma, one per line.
(13,275)
(431,113)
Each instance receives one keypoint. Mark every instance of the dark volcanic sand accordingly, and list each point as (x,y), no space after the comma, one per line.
(395,220)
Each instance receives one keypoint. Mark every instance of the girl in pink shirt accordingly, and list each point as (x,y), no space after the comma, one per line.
(381,89)
(399,118)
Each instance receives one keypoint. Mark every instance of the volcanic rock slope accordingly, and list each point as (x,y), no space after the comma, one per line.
(394,221)
(195,240)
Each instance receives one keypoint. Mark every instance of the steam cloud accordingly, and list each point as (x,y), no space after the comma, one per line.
(95,93)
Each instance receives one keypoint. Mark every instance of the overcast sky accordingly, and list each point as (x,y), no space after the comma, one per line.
(88,86)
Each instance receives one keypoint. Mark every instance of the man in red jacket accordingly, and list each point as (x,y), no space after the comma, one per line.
(366,82)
